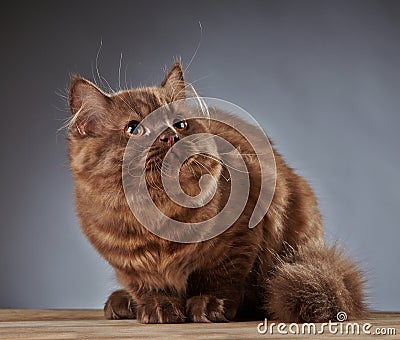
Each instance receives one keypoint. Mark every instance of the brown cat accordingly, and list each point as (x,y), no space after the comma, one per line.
(280,269)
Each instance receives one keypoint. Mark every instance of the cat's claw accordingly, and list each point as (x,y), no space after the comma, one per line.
(205,308)
(119,305)
(161,310)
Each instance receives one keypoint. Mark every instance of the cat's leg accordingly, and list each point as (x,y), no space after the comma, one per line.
(314,285)
(215,295)
(155,299)
(206,308)
(120,305)
(160,307)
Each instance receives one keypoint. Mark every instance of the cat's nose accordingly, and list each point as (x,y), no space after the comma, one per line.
(170,138)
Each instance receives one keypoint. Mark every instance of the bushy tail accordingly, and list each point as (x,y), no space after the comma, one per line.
(314,284)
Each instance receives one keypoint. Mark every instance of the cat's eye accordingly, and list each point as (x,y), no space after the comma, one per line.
(180,124)
(133,129)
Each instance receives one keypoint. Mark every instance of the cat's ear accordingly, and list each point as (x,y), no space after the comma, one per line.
(88,105)
(174,82)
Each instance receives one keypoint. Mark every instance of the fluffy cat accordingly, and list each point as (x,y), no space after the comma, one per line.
(281,268)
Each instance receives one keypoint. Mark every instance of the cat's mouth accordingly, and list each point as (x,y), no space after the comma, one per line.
(156,162)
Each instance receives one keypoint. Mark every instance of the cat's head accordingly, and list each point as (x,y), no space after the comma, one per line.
(102,124)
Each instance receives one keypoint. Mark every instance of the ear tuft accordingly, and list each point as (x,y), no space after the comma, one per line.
(174,82)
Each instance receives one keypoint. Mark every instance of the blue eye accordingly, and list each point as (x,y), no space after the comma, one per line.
(133,129)
(180,124)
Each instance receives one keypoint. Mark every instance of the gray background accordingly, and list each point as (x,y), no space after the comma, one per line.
(322,77)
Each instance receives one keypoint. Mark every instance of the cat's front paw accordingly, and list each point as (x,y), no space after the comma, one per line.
(120,306)
(205,308)
(160,309)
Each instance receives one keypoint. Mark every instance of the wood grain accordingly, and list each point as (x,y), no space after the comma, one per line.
(90,324)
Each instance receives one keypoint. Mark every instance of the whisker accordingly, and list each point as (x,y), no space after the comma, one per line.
(119,72)
(203,165)
(227,165)
(97,59)
(197,48)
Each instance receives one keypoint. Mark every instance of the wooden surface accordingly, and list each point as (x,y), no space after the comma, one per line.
(90,324)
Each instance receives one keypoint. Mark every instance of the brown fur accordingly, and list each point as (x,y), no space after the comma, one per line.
(280,268)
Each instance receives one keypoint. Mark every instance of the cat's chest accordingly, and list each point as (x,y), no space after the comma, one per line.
(152,255)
